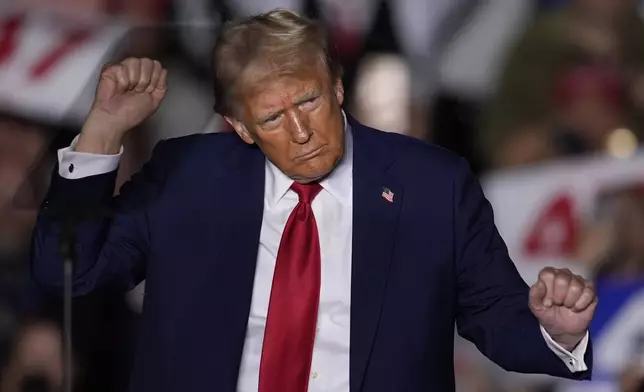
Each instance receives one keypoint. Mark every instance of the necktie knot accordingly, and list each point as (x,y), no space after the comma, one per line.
(306,192)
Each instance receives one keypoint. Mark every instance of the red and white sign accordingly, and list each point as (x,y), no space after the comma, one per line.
(47,64)
(541,212)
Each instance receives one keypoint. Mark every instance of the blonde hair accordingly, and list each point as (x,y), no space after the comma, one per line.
(279,42)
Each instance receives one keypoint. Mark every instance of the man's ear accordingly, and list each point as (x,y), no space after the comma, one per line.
(339,91)
(241,130)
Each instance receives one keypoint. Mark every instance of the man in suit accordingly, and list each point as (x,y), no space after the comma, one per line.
(305,251)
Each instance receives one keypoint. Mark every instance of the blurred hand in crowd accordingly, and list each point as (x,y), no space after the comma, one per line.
(632,379)
(615,244)
(596,243)
(472,374)
(21,147)
(529,144)
(37,354)
(637,91)
(628,232)
(420,121)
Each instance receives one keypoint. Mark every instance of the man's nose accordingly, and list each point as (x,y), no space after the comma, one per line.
(299,127)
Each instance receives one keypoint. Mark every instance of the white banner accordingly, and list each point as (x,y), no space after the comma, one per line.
(542,212)
(47,64)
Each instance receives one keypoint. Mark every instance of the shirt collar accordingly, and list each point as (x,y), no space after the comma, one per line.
(338,183)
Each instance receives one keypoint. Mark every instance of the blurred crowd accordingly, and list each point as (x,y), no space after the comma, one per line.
(544,98)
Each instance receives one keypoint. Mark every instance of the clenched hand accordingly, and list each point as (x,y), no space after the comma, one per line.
(128,93)
(564,304)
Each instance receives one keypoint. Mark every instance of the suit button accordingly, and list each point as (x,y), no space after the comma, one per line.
(71,167)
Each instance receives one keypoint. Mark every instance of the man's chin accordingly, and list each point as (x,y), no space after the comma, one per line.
(318,168)
(307,178)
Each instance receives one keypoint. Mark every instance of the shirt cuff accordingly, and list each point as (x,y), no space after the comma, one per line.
(74,165)
(574,360)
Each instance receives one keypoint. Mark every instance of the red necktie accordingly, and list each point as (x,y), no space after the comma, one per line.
(292,312)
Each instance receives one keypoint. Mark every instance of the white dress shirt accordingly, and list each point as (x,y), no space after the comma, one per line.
(333,209)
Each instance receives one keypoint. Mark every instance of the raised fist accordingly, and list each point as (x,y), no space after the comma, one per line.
(564,304)
(127,94)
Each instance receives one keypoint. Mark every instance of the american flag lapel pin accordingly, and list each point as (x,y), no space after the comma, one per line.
(388,195)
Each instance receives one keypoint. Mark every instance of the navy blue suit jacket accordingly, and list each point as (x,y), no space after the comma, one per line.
(190,223)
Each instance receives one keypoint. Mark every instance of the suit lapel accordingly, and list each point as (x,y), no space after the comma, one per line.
(375,221)
(237,254)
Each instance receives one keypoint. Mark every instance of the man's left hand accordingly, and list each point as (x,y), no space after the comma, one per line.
(564,304)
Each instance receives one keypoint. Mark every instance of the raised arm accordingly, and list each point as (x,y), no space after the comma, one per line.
(493,299)
(110,233)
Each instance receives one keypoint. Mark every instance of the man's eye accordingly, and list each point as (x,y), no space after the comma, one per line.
(309,102)
(271,120)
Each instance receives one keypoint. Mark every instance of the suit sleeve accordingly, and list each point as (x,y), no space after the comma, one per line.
(493,310)
(110,233)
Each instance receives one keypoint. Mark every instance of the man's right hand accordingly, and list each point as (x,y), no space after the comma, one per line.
(127,94)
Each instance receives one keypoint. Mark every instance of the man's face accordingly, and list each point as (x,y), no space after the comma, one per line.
(297,122)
